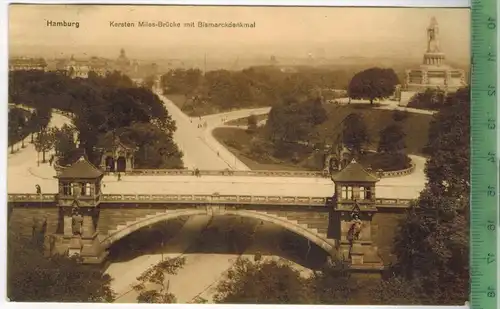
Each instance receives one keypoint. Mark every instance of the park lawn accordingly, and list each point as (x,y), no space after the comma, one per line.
(228,136)
(416,126)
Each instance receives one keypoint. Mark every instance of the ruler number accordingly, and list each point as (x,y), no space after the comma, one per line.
(491,226)
(492,23)
(492,90)
(490,258)
(491,191)
(492,157)
(491,291)
(491,124)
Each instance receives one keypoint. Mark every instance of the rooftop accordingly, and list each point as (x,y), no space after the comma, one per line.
(354,172)
(82,168)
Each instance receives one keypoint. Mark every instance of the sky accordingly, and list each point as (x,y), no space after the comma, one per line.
(280,31)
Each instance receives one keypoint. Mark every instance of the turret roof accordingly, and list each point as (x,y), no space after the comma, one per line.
(354,172)
(82,168)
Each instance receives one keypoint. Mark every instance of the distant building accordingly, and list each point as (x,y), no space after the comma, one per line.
(433,73)
(77,68)
(100,66)
(27,64)
(122,63)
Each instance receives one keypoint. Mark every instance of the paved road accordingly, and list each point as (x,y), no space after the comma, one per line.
(200,149)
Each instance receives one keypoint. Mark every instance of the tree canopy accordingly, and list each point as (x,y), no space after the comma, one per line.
(432,245)
(100,105)
(392,139)
(269,281)
(32,277)
(373,83)
(354,132)
(220,90)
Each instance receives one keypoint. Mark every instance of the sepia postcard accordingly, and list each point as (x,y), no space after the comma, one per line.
(238,154)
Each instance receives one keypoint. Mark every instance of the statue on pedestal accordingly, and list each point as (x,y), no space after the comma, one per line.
(77,221)
(356,225)
(432,37)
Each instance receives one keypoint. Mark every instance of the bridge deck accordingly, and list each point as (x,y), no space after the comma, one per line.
(224,185)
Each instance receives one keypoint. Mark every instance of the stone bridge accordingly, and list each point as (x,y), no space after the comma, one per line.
(82,220)
(120,215)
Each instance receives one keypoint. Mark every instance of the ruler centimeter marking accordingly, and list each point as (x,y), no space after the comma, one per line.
(484,163)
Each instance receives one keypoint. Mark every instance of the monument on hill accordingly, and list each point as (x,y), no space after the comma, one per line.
(433,73)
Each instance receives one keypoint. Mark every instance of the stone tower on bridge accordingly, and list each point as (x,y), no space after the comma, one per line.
(78,201)
(354,207)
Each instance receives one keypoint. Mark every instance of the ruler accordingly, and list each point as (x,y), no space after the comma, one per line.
(484,157)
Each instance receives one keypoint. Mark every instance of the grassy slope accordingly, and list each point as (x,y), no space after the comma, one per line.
(223,135)
(415,126)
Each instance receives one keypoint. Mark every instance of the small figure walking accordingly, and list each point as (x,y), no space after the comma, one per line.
(119,176)
(38,189)
(51,160)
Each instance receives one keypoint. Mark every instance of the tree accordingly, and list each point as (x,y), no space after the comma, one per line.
(374,83)
(429,99)
(156,149)
(262,282)
(315,110)
(449,145)
(156,276)
(354,132)
(44,114)
(16,125)
(252,123)
(432,245)
(32,277)
(333,284)
(44,142)
(149,81)
(392,139)
(64,144)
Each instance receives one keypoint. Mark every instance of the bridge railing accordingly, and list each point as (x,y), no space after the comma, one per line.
(208,199)
(254,173)
(31,197)
(214,199)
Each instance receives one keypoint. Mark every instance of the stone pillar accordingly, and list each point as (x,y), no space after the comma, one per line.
(88,225)
(425,78)
(68,225)
(128,163)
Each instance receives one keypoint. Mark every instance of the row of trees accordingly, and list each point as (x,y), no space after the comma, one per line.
(255,86)
(103,106)
(21,123)
(266,86)
(355,135)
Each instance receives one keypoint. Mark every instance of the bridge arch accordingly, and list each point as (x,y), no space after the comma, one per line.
(329,245)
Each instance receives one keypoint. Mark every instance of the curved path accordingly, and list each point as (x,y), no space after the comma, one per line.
(200,149)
